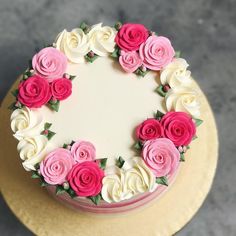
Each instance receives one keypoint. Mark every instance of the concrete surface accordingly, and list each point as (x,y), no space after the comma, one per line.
(204,30)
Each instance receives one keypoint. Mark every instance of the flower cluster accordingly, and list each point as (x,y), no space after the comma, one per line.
(141,49)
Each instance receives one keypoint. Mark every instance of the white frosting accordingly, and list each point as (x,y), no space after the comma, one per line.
(102,39)
(176,73)
(184,99)
(26,122)
(73,44)
(32,150)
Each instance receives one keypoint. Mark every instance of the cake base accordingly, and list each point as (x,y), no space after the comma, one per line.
(38,211)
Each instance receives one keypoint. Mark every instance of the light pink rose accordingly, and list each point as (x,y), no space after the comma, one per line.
(49,63)
(86,179)
(83,151)
(161,156)
(156,52)
(56,166)
(130,61)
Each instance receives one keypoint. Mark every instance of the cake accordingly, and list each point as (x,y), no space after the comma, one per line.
(104,116)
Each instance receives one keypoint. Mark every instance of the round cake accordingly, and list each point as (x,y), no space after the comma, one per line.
(104,116)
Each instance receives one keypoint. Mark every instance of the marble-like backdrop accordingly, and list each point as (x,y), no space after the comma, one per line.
(204,30)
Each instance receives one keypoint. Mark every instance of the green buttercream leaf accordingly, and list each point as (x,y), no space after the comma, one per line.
(85,27)
(60,190)
(91,59)
(198,122)
(116,53)
(12,106)
(141,72)
(162,180)
(96,199)
(44,184)
(118,25)
(72,77)
(160,91)
(120,162)
(71,192)
(138,146)
(182,158)
(35,175)
(54,105)
(47,126)
(65,146)
(177,54)
(15,92)
(159,115)
(103,163)
(195,137)
(50,134)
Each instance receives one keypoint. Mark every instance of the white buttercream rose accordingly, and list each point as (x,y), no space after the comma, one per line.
(102,39)
(73,44)
(176,73)
(183,99)
(26,123)
(32,150)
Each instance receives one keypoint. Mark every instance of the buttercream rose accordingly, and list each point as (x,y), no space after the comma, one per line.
(61,88)
(161,156)
(184,99)
(156,52)
(49,63)
(176,73)
(86,179)
(149,129)
(131,36)
(73,44)
(178,127)
(56,166)
(32,150)
(102,39)
(83,151)
(130,61)
(34,92)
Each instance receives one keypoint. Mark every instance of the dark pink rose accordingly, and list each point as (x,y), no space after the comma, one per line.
(156,52)
(49,63)
(161,156)
(178,127)
(131,36)
(61,88)
(130,61)
(56,165)
(34,92)
(86,179)
(83,151)
(149,129)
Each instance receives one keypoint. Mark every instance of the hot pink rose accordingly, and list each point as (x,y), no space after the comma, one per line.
(178,127)
(130,61)
(83,151)
(86,179)
(131,36)
(61,88)
(34,92)
(149,129)
(49,63)
(156,52)
(161,156)
(56,166)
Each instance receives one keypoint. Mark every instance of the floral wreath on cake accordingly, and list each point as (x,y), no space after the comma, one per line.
(161,140)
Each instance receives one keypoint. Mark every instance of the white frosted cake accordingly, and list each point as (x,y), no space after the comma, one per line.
(104,116)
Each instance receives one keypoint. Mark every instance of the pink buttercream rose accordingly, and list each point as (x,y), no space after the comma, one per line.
(178,127)
(34,92)
(149,129)
(61,88)
(83,151)
(49,63)
(156,52)
(130,61)
(56,166)
(131,36)
(161,156)
(86,179)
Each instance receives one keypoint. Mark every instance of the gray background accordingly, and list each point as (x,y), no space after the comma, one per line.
(205,32)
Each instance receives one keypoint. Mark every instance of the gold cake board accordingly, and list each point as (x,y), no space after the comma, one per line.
(41,214)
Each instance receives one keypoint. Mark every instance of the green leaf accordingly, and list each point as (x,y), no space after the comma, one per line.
(15,92)
(177,54)
(120,162)
(35,175)
(54,105)
(103,163)
(12,106)
(96,199)
(44,184)
(138,146)
(194,137)
(162,180)
(71,192)
(159,115)
(116,53)
(160,91)
(50,134)
(60,190)
(85,27)
(182,158)
(91,59)
(118,25)
(141,72)
(198,122)
(72,77)
(65,146)
(47,125)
